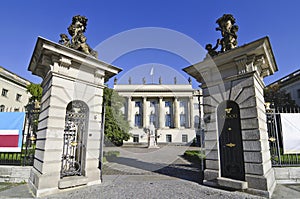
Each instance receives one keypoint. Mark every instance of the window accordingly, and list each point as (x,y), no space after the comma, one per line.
(136,138)
(168,120)
(4,92)
(196,121)
(184,138)
(137,120)
(182,103)
(182,120)
(138,104)
(298,91)
(167,104)
(18,97)
(2,108)
(168,138)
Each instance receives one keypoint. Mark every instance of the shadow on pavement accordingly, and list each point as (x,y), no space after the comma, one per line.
(178,169)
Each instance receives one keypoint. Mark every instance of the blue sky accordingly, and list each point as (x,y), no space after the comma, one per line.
(24,21)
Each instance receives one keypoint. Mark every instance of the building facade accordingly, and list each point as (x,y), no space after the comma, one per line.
(291,84)
(14,96)
(172,109)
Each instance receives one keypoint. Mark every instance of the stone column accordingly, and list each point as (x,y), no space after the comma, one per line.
(129,111)
(176,113)
(145,115)
(161,113)
(191,112)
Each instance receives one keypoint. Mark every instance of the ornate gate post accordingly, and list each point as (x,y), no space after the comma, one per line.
(232,84)
(68,137)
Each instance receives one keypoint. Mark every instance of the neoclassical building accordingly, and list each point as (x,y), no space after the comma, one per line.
(173,109)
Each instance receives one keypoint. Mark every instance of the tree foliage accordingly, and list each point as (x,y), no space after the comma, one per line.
(278,97)
(36,92)
(116,126)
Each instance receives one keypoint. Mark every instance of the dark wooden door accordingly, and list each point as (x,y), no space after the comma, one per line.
(230,141)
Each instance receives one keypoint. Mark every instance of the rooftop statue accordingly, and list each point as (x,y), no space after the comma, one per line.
(78,40)
(228,32)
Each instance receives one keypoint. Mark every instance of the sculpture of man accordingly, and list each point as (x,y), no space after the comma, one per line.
(228,31)
(212,50)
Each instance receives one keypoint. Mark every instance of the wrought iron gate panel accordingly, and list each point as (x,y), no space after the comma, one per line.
(74,139)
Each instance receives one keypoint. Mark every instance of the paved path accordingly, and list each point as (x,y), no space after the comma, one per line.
(140,173)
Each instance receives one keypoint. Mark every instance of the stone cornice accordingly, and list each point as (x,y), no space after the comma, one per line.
(48,56)
(255,56)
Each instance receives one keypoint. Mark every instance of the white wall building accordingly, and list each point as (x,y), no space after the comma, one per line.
(173,109)
(14,96)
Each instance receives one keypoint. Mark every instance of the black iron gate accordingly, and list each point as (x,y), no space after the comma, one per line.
(74,149)
(230,141)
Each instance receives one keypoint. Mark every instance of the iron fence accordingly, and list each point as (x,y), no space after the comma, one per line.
(278,158)
(26,156)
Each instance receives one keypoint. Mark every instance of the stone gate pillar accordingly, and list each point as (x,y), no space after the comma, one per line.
(68,137)
(232,84)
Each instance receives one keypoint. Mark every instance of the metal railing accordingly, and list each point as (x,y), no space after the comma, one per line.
(278,158)
(26,156)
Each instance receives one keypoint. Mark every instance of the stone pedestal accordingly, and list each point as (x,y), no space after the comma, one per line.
(152,142)
(72,82)
(236,77)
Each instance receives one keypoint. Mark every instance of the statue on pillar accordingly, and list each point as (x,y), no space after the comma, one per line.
(78,40)
(129,80)
(228,31)
(64,40)
(152,143)
(212,50)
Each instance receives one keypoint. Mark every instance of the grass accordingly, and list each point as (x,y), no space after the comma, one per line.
(194,156)
(16,158)
(110,155)
(288,159)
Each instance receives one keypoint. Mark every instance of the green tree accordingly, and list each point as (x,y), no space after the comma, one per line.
(279,98)
(33,106)
(36,92)
(116,128)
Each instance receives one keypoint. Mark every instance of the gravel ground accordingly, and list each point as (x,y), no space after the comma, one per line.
(179,179)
